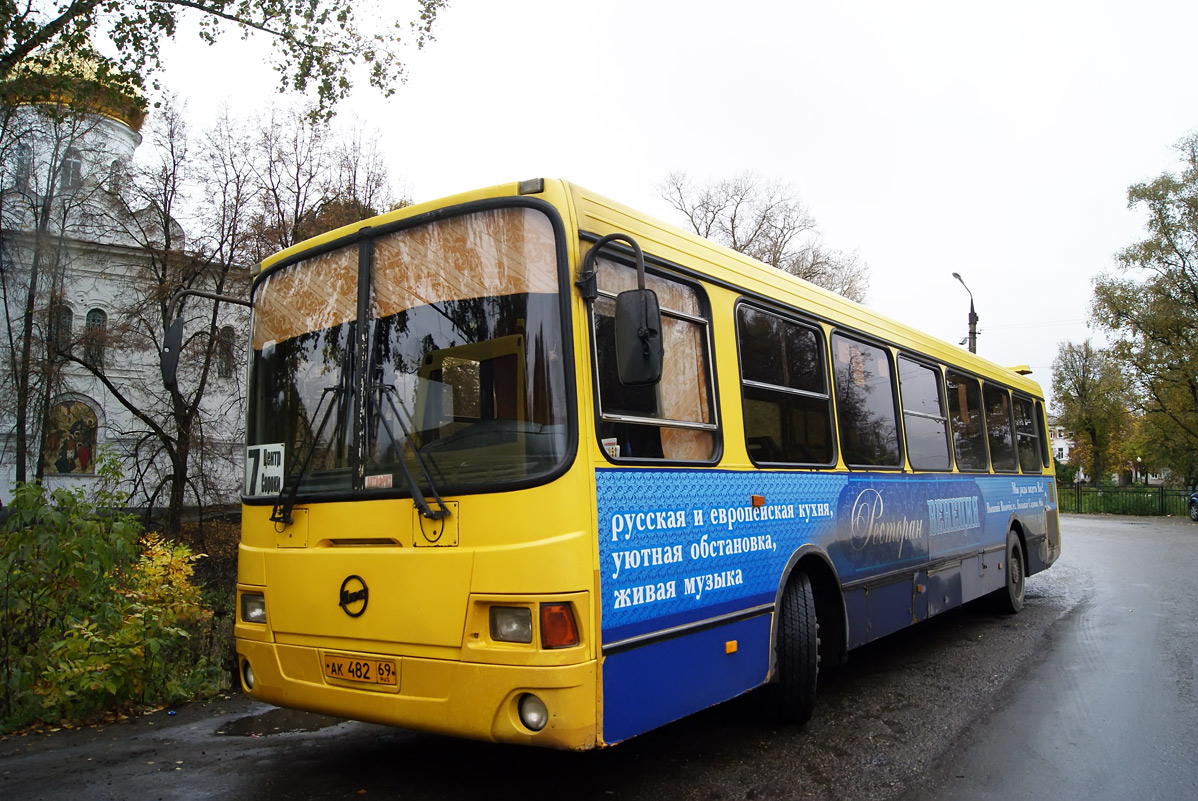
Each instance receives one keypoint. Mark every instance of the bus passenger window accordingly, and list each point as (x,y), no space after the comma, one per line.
(618,398)
(865,402)
(674,419)
(1045,456)
(965,415)
(787,409)
(1027,435)
(998,428)
(923,416)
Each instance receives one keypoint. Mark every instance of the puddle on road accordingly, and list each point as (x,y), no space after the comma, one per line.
(277,721)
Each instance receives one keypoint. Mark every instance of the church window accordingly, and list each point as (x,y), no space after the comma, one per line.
(225,355)
(95,333)
(71,176)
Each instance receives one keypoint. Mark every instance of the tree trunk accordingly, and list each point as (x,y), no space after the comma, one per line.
(179,459)
(1096,455)
(24,377)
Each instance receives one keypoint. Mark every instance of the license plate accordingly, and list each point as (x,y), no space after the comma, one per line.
(361,669)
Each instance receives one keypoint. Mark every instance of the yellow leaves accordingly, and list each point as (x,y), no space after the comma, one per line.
(116,636)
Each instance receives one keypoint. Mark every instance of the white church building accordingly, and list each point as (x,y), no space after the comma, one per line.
(83,313)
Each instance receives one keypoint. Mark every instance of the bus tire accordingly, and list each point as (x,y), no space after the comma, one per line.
(1009,600)
(797,651)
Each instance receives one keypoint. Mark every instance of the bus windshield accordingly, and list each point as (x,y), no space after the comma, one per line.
(462,383)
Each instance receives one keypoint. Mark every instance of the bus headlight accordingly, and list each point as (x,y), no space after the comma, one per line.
(511,624)
(253,608)
(533,713)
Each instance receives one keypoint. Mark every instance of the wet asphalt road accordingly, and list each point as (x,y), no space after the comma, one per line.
(1112,713)
(1088,693)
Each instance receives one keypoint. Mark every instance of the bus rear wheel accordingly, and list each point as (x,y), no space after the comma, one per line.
(1009,599)
(797,651)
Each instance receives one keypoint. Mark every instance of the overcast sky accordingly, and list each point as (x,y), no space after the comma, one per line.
(994,140)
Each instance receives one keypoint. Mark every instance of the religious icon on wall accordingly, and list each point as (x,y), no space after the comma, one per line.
(71,439)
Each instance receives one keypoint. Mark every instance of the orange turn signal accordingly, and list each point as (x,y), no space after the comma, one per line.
(558,629)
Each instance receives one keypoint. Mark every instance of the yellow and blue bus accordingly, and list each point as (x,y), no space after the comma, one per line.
(525,465)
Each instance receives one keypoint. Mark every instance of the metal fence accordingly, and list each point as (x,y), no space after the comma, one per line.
(1123,500)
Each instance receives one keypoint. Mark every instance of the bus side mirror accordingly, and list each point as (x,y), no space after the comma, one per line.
(172,343)
(639,347)
(638,337)
(172,340)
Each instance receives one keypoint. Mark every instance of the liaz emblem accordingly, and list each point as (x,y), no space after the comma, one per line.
(354,596)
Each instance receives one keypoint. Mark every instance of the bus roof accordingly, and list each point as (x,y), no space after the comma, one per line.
(598,215)
(601,215)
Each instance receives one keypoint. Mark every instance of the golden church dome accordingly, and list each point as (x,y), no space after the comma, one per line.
(78,82)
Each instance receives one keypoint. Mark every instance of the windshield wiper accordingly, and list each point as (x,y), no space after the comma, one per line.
(392,395)
(281,513)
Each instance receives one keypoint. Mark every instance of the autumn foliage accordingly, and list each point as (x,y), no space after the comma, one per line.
(96,615)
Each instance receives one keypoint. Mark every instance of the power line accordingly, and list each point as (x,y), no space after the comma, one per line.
(1045,324)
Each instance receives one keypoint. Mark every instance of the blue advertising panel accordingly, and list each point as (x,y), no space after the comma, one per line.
(680,547)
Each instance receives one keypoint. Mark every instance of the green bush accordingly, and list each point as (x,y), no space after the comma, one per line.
(1066,473)
(94,615)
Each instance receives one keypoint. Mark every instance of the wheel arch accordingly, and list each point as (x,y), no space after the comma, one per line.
(1017,528)
(830,611)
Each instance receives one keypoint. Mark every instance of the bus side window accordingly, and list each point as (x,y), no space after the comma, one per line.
(1027,435)
(674,419)
(787,408)
(965,415)
(998,428)
(1041,419)
(865,402)
(924,422)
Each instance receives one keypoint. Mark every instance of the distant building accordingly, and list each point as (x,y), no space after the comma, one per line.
(1060,441)
(65,152)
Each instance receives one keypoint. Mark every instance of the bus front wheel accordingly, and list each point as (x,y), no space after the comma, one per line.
(797,651)
(1009,599)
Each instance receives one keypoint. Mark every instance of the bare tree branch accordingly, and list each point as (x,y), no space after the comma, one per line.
(765,220)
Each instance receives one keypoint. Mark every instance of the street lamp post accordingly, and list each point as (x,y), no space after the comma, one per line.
(973,317)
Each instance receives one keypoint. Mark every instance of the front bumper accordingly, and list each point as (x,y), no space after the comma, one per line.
(460,699)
